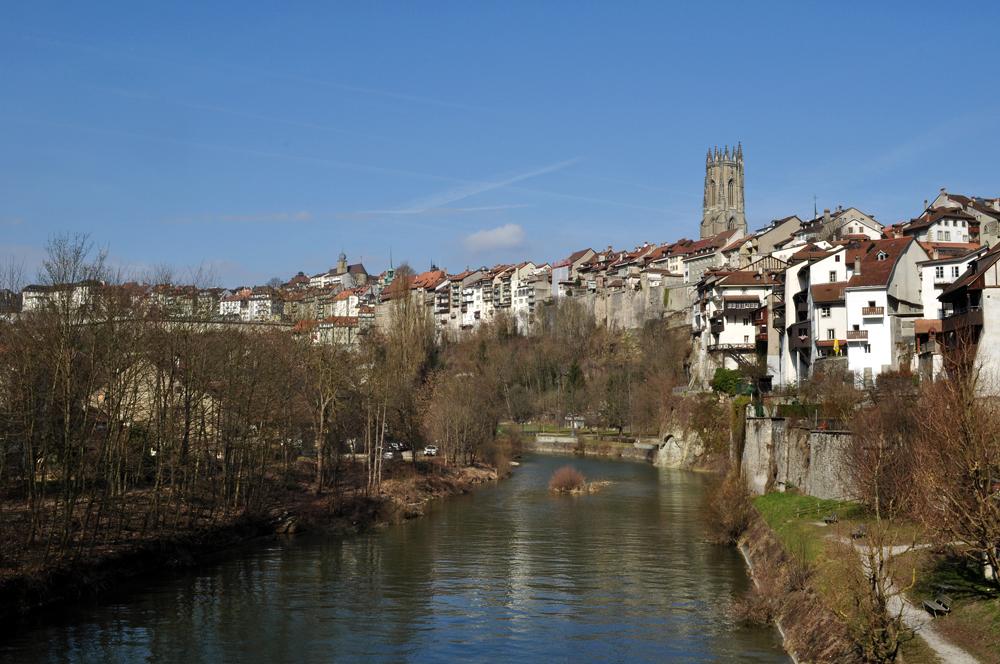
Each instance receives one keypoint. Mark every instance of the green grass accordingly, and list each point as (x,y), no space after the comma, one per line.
(793,519)
(974,623)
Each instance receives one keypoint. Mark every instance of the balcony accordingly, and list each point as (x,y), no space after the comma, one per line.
(717,324)
(740,303)
(961,320)
(736,348)
(799,341)
(857,335)
(871,312)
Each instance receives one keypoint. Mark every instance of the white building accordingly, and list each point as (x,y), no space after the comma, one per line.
(883,303)
(941,225)
(936,274)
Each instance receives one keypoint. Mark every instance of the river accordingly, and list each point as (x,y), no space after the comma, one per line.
(507,573)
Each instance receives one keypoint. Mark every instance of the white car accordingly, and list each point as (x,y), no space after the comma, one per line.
(431,450)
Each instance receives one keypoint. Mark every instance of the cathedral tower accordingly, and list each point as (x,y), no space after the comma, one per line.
(722,209)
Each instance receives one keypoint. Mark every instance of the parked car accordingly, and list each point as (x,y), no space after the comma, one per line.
(431,450)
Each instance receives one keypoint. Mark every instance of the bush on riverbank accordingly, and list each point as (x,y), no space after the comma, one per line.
(729,508)
(755,608)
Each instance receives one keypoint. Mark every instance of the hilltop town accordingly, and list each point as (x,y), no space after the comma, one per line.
(838,288)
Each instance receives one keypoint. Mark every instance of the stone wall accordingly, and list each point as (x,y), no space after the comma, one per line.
(777,457)
(570,445)
(827,453)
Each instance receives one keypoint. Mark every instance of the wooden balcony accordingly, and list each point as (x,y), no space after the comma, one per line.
(797,342)
(869,312)
(857,335)
(972,317)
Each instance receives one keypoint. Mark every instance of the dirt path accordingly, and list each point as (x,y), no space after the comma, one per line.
(914,617)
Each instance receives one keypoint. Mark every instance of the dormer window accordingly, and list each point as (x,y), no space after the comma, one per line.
(881,256)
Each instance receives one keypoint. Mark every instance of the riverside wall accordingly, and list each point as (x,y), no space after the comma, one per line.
(778,456)
(571,445)
(675,449)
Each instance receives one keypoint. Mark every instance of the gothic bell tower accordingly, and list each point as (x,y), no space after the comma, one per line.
(722,209)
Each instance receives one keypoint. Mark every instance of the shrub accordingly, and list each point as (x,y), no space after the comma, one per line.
(754,609)
(729,508)
(728,381)
(567,478)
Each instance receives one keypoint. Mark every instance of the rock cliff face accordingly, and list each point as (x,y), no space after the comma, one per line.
(679,449)
(631,309)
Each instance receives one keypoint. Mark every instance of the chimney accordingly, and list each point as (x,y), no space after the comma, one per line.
(826,215)
(943,190)
(857,266)
(925,203)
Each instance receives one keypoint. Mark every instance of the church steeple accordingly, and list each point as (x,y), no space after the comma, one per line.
(723,201)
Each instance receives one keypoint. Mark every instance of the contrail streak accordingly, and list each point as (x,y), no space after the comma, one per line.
(444,198)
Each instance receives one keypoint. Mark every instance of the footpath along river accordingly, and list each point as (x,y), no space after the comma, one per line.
(509,573)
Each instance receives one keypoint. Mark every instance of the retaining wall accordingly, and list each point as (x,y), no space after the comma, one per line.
(778,457)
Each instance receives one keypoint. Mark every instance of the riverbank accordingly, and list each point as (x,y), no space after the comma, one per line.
(811,631)
(404,495)
(918,568)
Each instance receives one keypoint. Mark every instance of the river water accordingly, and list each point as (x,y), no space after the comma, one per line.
(508,573)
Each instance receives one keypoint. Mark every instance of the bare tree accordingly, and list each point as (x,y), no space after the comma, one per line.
(958,467)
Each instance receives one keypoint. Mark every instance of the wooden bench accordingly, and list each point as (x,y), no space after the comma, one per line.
(859,532)
(938,606)
(830,519)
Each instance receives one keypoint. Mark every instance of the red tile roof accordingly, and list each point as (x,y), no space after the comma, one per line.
(428,280)
(808,252)
(340,321)
(876,271)
(927,326)
(828,293)
(747,278)
(931,217)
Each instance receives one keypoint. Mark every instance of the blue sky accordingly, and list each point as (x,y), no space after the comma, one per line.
(259,141)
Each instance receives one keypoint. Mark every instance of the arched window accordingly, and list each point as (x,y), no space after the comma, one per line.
(731,197)
(713,200)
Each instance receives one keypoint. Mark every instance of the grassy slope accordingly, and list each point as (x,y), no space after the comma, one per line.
(975,622)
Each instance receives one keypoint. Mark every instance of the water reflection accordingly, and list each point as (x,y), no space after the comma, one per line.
(508,573)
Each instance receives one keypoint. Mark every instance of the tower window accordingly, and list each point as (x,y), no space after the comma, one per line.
(731,197)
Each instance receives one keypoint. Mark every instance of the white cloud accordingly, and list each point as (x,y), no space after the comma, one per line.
(508,236)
